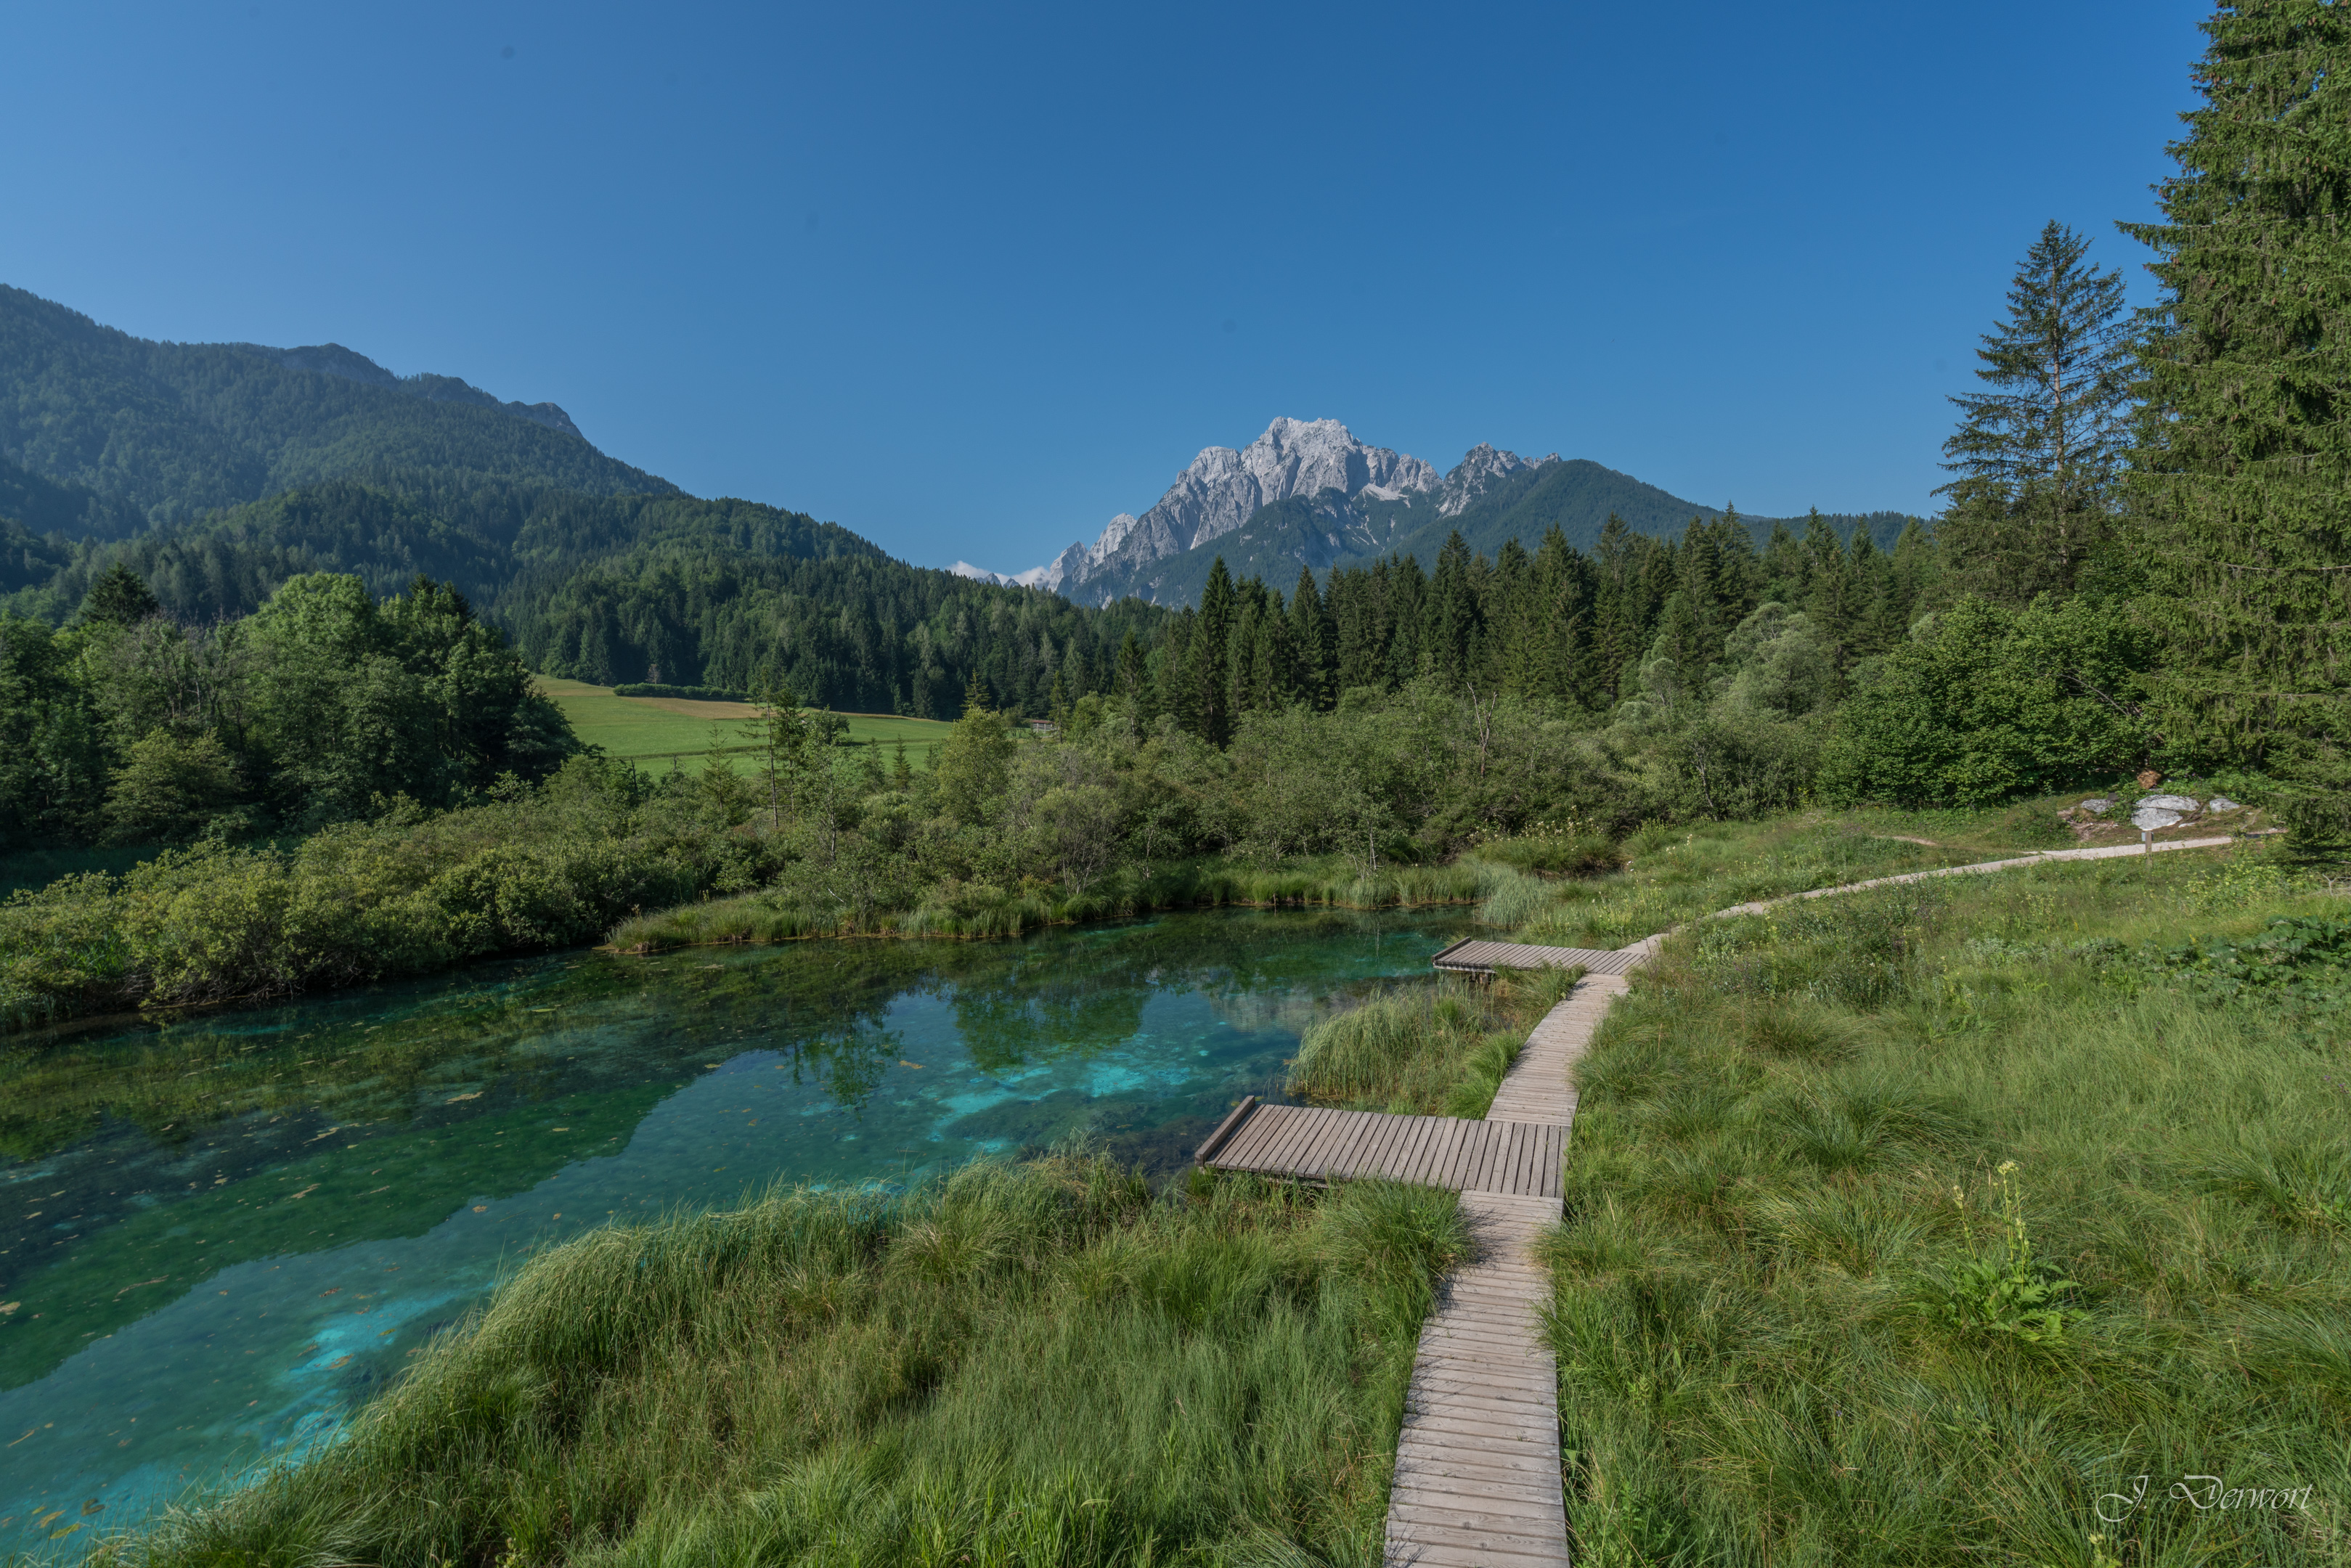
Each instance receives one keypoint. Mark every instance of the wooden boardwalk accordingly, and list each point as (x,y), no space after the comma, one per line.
(1475,957)
(1313,1144)
(1477,1479)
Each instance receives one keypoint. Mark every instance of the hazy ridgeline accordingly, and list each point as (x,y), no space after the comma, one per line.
(1038,1364)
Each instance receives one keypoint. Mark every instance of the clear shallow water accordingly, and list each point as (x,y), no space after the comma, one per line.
(218,1235)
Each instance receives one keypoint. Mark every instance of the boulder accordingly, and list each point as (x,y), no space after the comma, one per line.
(2153,816)
(2222,803)
(2171,802)
(2098,806)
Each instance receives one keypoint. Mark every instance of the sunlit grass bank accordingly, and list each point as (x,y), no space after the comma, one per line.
(1906,1225)
(1038,1364)
(975,909)
(659,729)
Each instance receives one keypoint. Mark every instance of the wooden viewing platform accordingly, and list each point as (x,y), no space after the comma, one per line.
(1309,1143)
(1471,957)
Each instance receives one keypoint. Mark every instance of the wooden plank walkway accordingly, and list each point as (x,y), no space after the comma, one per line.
(1312,1143)
(1475,957)
(1477,1479)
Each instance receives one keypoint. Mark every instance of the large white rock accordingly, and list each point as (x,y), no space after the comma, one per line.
(2171,802)
(2153,816)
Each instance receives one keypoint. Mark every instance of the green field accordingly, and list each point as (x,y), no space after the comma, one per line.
(658,729)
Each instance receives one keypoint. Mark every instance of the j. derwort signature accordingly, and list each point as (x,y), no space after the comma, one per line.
(2202,1492)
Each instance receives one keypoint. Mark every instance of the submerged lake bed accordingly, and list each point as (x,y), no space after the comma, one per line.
(219,1235)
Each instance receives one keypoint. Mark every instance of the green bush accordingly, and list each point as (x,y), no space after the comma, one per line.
(1983,705)
(690,694)
(218,922)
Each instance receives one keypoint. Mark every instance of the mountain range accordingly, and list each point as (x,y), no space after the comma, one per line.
(1306,493)
(216,470)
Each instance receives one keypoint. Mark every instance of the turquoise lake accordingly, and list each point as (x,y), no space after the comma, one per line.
(219,1235)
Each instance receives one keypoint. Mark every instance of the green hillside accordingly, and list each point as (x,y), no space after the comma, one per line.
(125,433)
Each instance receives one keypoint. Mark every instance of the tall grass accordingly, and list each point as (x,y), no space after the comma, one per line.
(1906,1227)
(982,910)
(1676,874)
(1031,1364)
(1436,1048)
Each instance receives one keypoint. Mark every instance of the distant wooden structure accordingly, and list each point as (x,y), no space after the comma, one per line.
(1471,957)
(1311,1143)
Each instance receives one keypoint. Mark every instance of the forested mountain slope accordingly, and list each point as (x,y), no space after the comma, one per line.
(116,432)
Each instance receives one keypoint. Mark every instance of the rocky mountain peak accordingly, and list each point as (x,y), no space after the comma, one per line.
(1480,470)
(1223,486)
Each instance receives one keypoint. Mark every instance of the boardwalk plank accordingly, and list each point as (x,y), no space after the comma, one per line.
(1331,1132)
(1239,1149)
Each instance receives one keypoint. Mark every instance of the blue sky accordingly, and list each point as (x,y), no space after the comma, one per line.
(970,281)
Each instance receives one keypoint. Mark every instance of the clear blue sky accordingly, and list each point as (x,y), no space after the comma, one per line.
(970,281)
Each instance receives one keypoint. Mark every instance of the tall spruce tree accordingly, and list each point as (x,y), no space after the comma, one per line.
(2244,467)
(1318,649)
(2037,456)
(1211,653)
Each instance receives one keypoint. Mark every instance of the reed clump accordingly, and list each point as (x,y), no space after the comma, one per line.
(1034,1363)
(1436,1047)
(955,908)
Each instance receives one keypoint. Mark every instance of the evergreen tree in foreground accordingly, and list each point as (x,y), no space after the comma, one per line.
(2037,456)
(2244,457)
(120,599)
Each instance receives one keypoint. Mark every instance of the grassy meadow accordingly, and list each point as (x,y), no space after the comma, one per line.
(1032,1364)
(1907,1226)
(663,727)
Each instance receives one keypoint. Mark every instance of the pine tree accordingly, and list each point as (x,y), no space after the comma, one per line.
(1786,567)
(1452,613)
(1212,713)
(975,694)
(2244,468)
(1834,601)
(118,599)
(2039,457)
(1317,647)
(1407,605)
(1130,666)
